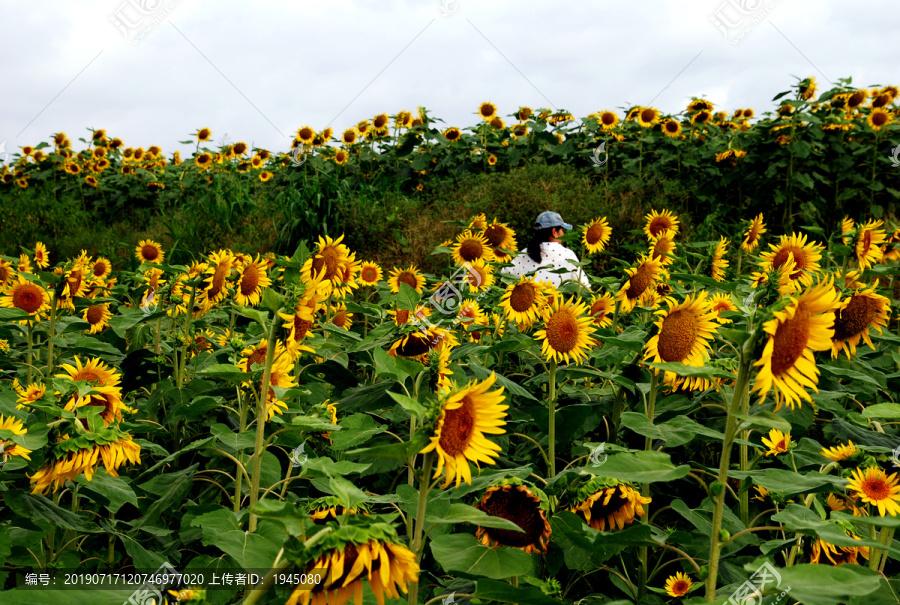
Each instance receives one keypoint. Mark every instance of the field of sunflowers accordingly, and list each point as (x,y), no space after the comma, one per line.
(716,419)
(712,422)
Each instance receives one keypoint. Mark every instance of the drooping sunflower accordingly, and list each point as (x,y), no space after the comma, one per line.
(751,237)
(370,274)
(806,257)
(148,251)
(104,381)
(719,264)
(702,117)
(778,442)
(98,316)
(595,235)
(41,255)
(409,276)
(837,555)
(252,280)
(609,503)
(359,551)
(647,116)
(72,457)
(719,303)
(876,487)
(329,508)
(858,98)
(856,315)
(601,309)
(699,105)
(671,128)
(487,110)
(847,226)
(567,332)
(640,279)
(684,332)
(678,585)
(470,247)
(523,504)
(523,302)
(658,223)
(467,415)
(25,295)
(840,452)
(662,248)
(417,345)
(7,272)
(868,241)
(787,364)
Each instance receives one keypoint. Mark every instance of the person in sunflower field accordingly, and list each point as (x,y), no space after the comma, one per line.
(545,254)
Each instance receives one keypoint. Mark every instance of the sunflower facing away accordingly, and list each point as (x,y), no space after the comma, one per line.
(751,237)
(524,505)
(567,332)
(658,223)
(640,278)
(595,235)
(613,505)
(523,302)
(678,585)
(148,251)
(778,442)
(856,315)
(466,416)
(409,276)
(74,457)
(876,487)
(719,264)
(868,242)
(787,363)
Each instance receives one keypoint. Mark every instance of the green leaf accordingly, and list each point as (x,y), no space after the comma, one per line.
(786,482)
(638,467)
(503,592)
(224,371)
(409,404)
(170,489)
(462,513)
(675,432)
(407,298)
(232,441)
(113,490)
(827,585)
(511,387)
(764,419)
(464,553)
(882,410)
(256,550)
(680,369)
(797,518)
(39,508)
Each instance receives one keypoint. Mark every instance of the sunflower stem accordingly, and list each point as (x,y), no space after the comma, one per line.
(261,419)
(745,456)
(417,537)
(239,478)
(715,547)
(30,340)
(645,489)
(552,420)
(50,334)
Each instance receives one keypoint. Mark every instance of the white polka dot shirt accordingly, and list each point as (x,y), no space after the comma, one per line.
(553,256)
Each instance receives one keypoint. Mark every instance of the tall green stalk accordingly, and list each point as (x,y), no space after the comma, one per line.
(261,419)
(552,420)
(418,538)
(644,553)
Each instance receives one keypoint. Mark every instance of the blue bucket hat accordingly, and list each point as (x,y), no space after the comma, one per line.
(548,219)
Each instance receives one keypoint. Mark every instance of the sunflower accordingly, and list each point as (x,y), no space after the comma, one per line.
(25,295)
(98,316)
(855,316)
(787,363)
(492,160)
(7,447)
(524,113)
(699,105)
(614,505)
(265,176)
(7,272)
(523,302)
(647,116)
(684,333)
(595,235)
(879,118)
(41,255)
(478,222)
(639,280)
(204,134)
(671,128)
(857,98)
(470,247)
(751,237)
(876,487)
(840,452)
(106,392)
(499,235)
(567,332)
(658,223)
(418,345)
(701,117)
(24,264)
(806,257)
(329,508)
(306,135)
(608,119)
(352,555)
(837,555)
(402,316)
(341,156)
(148,251)
(409,276)
(298,324)
(487,110)
(340,317)
(221,264)
(719,264)
(466,415)
(73,168)
(112,450)
(601,309)
(678,585)
(720,303)
(524,505)
(662,248)
(282,376)
(370,274)
(28,396)
(778,442)
(252,280)
(868,239)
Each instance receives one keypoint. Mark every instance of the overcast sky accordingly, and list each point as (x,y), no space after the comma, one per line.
(257,71)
